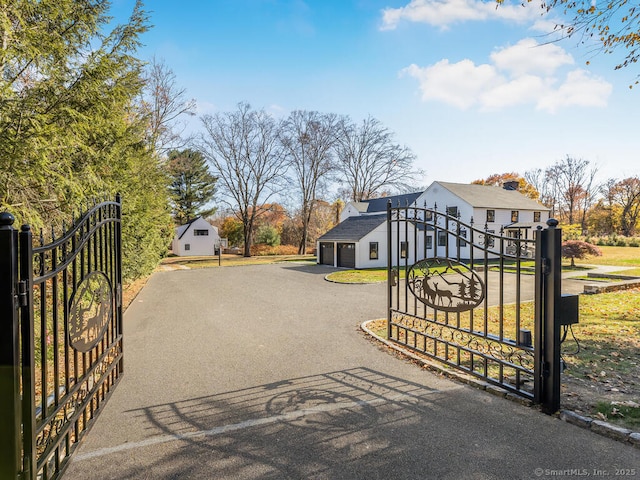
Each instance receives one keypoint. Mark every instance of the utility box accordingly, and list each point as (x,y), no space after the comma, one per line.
(568,311)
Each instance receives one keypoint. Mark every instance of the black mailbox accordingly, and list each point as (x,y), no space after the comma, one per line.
(568,311)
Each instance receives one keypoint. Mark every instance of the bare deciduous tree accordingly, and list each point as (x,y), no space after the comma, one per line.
(369,159)
(308,138)
(626,194)
(572,181)
(164,103)
(537,179)
(245,152)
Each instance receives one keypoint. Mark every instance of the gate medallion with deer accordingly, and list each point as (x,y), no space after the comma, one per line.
(472,298)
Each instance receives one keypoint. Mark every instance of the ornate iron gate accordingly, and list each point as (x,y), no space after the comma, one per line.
(61,351)
(476,299)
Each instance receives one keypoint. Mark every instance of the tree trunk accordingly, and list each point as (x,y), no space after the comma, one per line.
(248,227)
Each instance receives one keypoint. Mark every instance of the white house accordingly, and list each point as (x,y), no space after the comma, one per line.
(198,237)
(360,239)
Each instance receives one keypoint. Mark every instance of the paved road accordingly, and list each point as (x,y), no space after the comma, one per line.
(260,372)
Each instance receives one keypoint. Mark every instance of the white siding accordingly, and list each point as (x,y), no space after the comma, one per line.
(198,245)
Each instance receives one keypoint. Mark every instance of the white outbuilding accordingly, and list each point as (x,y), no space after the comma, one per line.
(196,238)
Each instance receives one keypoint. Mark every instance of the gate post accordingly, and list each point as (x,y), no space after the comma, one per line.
(119,309)
(10,411)
(547,321)
(28,361)
(389,270)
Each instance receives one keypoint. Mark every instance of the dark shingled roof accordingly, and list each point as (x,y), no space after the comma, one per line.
(353,229)
(188,224)
(484,196)
(380,204)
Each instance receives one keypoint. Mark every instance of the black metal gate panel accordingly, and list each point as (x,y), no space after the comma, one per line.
(62,351)
(472,298)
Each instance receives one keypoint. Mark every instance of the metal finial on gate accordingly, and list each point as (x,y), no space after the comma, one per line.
(552,223)
(6,219)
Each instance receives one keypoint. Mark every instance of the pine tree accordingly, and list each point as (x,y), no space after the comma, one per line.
(192,185)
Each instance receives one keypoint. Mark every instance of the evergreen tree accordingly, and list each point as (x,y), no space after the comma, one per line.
(70,129)
(192,185)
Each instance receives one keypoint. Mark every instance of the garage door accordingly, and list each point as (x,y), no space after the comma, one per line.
(326,253)
(347,255)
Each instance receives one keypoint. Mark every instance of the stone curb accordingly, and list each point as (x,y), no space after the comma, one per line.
(597,426)
(327,279)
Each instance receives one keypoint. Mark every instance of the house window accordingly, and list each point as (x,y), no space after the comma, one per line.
(491,216)
(459,241)
(373,250)
(187,246)
(428,216)
(536,216)
(200,233)
(442,238)
(429,242)
(514,215)
(404,248)
(452,211)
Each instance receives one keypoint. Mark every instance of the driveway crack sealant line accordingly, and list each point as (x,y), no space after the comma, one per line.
(255,422)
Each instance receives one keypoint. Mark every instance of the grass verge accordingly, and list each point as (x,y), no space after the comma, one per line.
(232,260)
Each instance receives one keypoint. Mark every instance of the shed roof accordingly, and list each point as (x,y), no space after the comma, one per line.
(485,196)
(353,229)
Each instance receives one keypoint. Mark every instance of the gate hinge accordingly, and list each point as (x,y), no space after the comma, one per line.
(22,297)
(546,370)
(546,266)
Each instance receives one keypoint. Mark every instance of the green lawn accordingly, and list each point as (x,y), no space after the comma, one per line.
(234,260)
(620,256)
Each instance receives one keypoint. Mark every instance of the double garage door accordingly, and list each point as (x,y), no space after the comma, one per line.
(346,254)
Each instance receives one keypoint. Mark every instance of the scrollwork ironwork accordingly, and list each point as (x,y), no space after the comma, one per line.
(485,346)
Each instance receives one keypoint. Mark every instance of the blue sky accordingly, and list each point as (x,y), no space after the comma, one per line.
(471,89)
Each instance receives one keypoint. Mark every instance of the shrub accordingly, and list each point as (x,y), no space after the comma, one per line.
(577,249)
(621,242)
(264,249)
(268,235)
(634,242)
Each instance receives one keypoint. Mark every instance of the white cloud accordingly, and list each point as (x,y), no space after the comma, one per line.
(443,13)
(518,75)
(528,56)
(459,84)
(580,88)
(203,107)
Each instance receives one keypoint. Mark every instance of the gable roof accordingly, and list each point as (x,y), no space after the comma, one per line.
(354,228)
(485,196)
(380,204)
(182,229)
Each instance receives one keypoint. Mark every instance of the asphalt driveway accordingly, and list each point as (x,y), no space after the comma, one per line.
(261,372)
